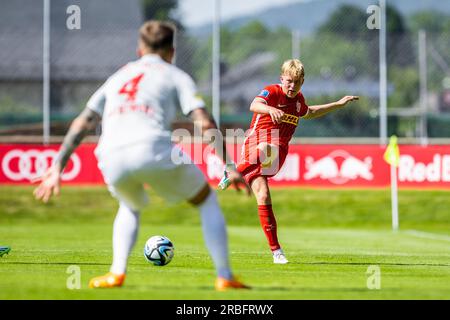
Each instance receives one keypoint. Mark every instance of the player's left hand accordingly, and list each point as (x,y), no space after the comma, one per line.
(50,184)
(344,100)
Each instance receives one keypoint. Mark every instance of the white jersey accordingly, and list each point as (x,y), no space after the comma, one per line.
(139,102)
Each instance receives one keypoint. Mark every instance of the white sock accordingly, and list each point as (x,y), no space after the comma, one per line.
(215,234)
(125,232)
(277,251)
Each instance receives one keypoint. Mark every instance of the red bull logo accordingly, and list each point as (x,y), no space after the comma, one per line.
(290,171)
(411,170)
(338,167)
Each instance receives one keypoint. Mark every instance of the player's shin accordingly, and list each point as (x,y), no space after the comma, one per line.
(215,235)
(125,231)
(269,225)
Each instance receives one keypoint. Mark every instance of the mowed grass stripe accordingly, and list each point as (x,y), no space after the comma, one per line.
(325,264)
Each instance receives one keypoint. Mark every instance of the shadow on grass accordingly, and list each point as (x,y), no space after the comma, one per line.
(376,263)
(253,289)
(290,263)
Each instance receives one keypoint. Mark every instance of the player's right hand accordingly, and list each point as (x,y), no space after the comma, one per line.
(237,180)
(50,184)
(276,115)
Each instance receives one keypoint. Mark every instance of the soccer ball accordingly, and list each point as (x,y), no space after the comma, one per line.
(159,250)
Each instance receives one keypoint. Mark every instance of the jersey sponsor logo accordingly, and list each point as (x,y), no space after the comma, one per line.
(284,105)
(327,168)
(148,110)
(290,118)
(264,93)
(20,165)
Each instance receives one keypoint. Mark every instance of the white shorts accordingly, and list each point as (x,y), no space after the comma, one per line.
(128,169)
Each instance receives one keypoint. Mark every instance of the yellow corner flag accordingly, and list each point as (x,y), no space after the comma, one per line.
(392,153)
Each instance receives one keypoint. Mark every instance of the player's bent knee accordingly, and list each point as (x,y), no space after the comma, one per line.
(263,197)
(200,197)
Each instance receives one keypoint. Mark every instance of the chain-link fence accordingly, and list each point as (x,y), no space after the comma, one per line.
(335,66)
(338,59)
(438,84)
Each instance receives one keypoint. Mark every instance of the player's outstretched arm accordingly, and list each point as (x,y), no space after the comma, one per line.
(50,181)
(320,110)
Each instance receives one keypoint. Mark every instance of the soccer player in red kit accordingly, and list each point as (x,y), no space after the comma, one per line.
(277,110)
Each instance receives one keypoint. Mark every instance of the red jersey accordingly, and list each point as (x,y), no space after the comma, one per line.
(294,108)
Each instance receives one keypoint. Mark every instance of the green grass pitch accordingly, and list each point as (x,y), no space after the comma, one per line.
(331,237)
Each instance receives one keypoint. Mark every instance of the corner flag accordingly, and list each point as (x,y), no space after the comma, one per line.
(392,156)
(392,153)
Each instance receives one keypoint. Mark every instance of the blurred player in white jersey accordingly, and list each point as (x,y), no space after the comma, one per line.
(137,105)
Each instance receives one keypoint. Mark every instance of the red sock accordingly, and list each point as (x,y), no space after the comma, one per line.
(269,225)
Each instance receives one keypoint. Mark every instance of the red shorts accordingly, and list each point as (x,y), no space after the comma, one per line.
(262,160)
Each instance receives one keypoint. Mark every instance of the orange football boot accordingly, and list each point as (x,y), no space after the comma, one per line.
(109,280)
(223,284)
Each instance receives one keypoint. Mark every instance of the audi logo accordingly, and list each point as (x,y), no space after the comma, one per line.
(33,163)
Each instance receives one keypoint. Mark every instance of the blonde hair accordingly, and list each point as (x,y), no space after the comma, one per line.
(293,68)
(157,35)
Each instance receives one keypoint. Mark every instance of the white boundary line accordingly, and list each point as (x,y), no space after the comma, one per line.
(428,235)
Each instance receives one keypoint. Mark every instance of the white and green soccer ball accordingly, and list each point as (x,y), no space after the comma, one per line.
(159,250)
